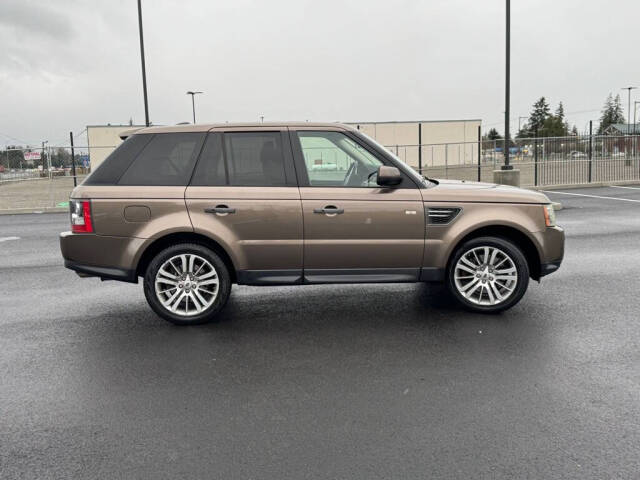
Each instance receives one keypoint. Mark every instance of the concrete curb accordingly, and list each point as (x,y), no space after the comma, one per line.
(18,211)
(586,185)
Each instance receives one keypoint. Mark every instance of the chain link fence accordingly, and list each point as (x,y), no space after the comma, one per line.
(543,162)
(40,179)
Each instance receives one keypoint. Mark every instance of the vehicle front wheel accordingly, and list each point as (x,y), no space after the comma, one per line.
(187,284)
(488,274)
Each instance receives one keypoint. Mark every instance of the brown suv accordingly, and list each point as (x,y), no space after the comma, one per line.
(194,209)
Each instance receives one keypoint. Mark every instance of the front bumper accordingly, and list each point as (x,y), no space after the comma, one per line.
(551,242)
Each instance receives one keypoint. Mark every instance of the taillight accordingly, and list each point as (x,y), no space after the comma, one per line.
(80,216)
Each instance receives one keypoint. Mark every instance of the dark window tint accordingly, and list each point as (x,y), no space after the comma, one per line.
(112,168)
(168,159)
(254,159)
(210,168)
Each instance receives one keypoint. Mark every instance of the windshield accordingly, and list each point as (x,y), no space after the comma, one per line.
(409,171)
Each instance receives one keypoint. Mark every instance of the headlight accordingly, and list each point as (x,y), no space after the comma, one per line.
(549,215)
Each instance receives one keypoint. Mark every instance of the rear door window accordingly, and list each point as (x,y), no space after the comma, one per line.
(254,159)
(167,160)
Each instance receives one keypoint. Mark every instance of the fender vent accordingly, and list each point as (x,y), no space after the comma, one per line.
(442,216)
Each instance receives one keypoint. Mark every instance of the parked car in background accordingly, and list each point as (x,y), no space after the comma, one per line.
(575,155)
(194,209)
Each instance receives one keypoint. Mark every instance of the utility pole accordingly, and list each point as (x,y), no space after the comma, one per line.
(628,89)
(193,104)
(507,89)
(144,71)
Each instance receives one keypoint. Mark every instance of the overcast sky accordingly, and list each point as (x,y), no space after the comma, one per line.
(66,64)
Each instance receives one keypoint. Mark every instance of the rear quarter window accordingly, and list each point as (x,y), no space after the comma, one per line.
(112,167)
(167,160)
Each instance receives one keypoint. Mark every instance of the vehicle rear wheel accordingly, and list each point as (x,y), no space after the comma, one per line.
(187,284)
(488,274)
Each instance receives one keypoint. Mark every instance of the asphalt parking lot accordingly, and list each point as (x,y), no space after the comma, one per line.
(364,381)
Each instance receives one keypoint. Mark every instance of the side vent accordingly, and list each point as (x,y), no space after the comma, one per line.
(442,215)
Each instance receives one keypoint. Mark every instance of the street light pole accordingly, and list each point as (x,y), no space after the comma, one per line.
(628,89)
(635,110)
(144,71)
(507,88)
(193,103)
(520,118)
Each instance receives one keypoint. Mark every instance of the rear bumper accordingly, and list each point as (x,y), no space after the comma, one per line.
(104,273)
(102,256)
(547,268)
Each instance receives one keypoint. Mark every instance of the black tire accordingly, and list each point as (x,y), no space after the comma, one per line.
(519,261)
(224,284)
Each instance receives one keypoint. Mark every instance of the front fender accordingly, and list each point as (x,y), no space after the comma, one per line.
(441,240)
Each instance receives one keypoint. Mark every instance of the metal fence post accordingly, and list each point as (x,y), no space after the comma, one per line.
(446,160)
(535,157)
(590,149)
(479,152)
(420,148)
(73,161)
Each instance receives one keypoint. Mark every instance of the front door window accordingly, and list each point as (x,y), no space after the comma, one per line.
(334,160)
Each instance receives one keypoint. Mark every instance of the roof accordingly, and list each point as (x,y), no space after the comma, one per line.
(113,125)
(624,128)
(204,127)
(417,121)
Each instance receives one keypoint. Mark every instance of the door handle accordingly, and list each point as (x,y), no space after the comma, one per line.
(329,210)
(220,210)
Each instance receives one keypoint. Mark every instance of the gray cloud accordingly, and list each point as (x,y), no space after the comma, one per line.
(28,19)
(66,64)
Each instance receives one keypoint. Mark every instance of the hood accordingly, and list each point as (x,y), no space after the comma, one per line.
(465,191)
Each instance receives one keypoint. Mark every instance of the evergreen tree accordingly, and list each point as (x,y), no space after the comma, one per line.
(611,113)
(560,111)
(618,114)
(493,135)
(538,115)
(553,127)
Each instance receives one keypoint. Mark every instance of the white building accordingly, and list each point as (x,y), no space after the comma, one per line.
(443,141)
(103,139)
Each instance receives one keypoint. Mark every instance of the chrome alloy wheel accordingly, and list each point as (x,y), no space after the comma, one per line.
(186,284)
(485,275)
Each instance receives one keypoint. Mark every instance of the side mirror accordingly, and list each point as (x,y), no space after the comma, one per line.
(388,176)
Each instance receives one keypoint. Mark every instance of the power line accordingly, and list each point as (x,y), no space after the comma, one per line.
(14,138)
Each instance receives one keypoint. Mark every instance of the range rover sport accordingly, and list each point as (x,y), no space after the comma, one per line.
(194,209)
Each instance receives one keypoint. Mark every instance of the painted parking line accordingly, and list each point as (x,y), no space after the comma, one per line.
(6,239)
(620,186)
(592,196)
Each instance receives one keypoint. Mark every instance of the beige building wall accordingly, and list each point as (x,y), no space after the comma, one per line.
(444,142)
(102,140)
